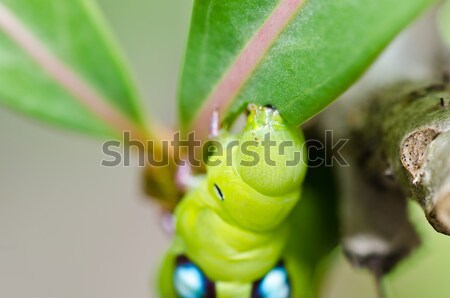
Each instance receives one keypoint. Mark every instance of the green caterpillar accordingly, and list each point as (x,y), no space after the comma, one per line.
(231,232)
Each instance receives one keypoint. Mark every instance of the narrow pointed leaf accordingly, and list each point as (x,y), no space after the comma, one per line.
(296,55)
(58,63)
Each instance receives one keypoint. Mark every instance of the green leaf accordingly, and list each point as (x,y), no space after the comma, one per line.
(58,63)
(311,52)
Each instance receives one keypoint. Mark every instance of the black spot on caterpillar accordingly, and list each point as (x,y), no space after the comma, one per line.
(219,192)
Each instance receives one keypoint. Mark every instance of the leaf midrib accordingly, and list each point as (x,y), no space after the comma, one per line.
(64,76)
(227,88)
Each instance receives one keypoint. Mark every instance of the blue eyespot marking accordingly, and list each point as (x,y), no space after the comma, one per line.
(275,284)
(190,282)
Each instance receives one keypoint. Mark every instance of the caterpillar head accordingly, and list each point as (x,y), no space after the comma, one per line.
(255,179)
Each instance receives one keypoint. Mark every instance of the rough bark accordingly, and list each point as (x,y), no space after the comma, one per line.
(409,133)
(399,148)
(375,188)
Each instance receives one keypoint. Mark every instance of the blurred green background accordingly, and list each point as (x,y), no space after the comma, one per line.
(68,226)
(72,228)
